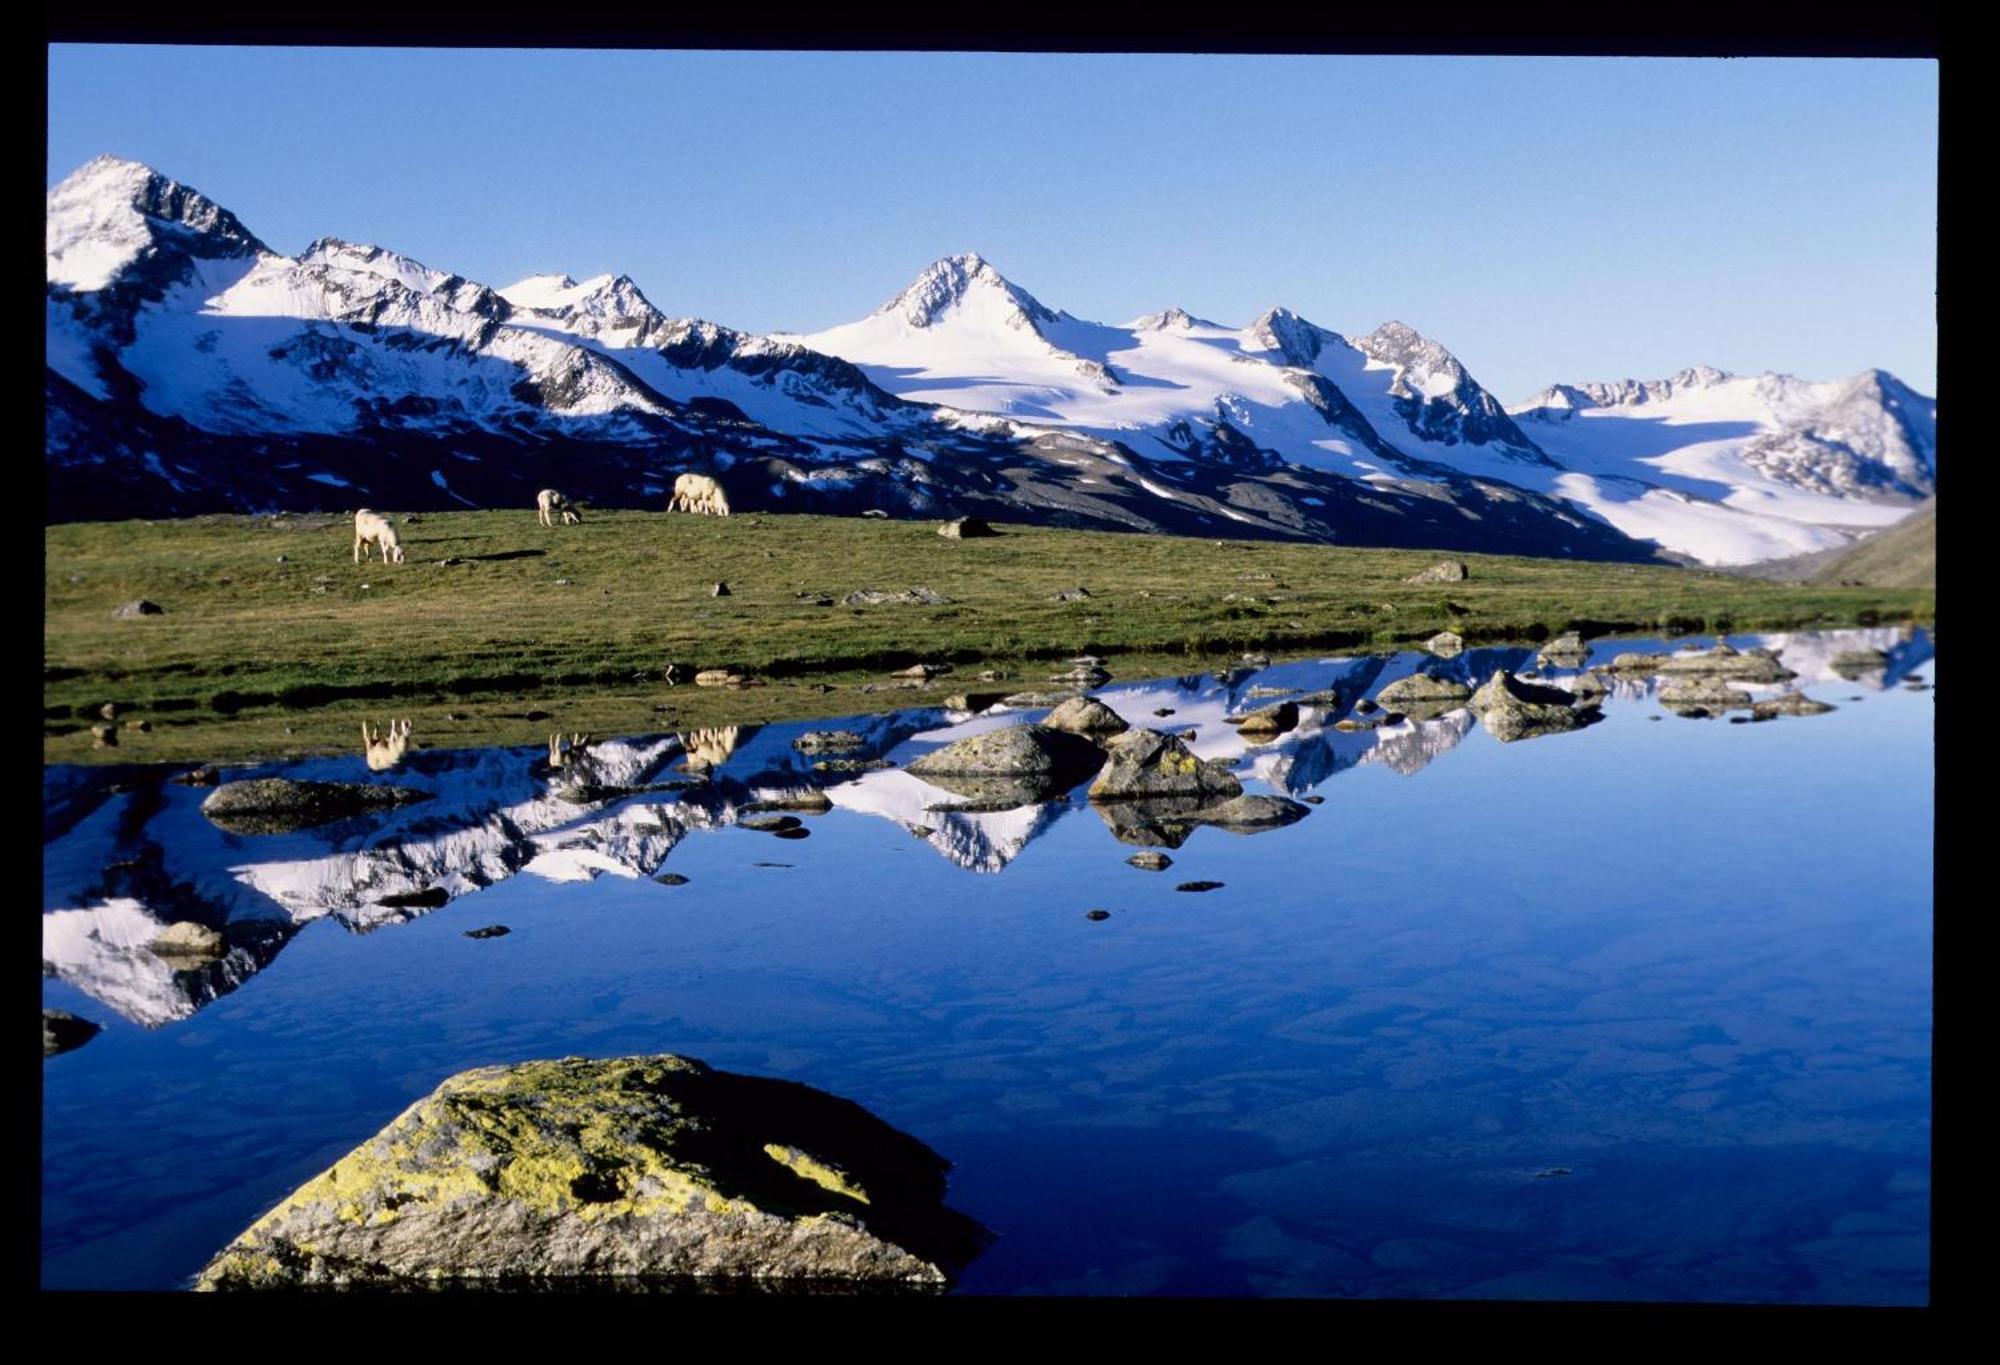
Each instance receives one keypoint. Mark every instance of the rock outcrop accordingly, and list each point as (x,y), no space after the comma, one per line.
(279,805)
(635,1169)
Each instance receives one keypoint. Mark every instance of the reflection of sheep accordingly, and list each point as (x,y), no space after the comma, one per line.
(698,493)
(385,751)
(567,756)
(710,749)
(549,503)
(371,529)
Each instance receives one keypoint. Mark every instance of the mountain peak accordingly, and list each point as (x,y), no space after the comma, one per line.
(112,211)
(1298,341)
(951,281)
(1173,319)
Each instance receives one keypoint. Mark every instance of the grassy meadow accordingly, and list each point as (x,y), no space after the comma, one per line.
(497,629)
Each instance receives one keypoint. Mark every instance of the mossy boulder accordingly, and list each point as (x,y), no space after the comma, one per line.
(1146,764)
(1511,709)
(634,1169)
(279,805)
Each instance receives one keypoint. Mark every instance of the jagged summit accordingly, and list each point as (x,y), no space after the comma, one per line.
(1297,340)
(948,284)
(111,212)
(1171,320)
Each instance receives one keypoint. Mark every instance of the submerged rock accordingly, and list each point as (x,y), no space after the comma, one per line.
(1242,814)
(1791,704)
(1709,693)
(1567,646)
(490,931)
(638,1168)
(1151,862)
(1853,663)
(1511,709)
(65,1032)
(279,805)
(1755,665)
(828,742)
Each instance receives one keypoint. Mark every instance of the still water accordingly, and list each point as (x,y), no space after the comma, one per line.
(1638,1012)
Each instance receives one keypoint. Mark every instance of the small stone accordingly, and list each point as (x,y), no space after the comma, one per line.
(104,735)
(1198,886)
(1150,861)
(1313,800)
(671,879)
(490,931)
(1097,914)
(1164,711)
(137,608)
(719,590)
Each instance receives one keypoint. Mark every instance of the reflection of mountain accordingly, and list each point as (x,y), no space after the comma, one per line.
(1410,746)
(128,853)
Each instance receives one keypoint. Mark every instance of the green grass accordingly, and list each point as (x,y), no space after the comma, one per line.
(249,660)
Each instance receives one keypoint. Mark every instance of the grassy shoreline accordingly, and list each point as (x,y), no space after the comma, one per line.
(493,618)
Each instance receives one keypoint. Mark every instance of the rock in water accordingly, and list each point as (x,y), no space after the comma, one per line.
(1708,693)
(1854,663)
(1271,720)
(1421,689)
(1017,751)
(1151,862)
(1086,716)
(1446,644)
(1243,814)
(828,742)
(1791,704)
(1511,709)
(1444,571)
(631,1169)
(188,940)
(278,805)
(64,1032)
(1146,763)
(1568,646)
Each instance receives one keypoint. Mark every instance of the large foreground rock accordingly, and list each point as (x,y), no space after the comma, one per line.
(279,805)
(1146,764)
(638,1168)
(1511,709)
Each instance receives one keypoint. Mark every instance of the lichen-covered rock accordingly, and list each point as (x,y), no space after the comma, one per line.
(1444,571)
(1086,716)
(1423,689)
(1146,763)
(1018,751)
(637,1168)
(1754,665)
(278,805)
(1270,720)
(1446,644)
(1709,693)
(1511,709)
(1567,646)
(65,1032)
(1589,689)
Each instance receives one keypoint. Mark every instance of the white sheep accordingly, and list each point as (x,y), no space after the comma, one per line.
(549,503)
(385,751)
(373,530)
(698,493)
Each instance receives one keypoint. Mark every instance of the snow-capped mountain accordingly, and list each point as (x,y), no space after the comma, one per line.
(192,367)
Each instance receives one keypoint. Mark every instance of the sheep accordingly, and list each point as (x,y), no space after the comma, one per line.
(710,749)
(549,502)
(561,756)
(698,493)
(385,751)
(371,529)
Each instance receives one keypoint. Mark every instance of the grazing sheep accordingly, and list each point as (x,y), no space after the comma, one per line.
(385,751)
(371,529)
(565,756)
(549,503)
(710,749)
(698,493)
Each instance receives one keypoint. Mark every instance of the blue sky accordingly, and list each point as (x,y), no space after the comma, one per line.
(1546,219)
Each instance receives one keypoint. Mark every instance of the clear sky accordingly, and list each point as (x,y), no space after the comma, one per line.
(1545,218)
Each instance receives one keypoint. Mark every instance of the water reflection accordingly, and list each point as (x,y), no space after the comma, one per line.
(128,853)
